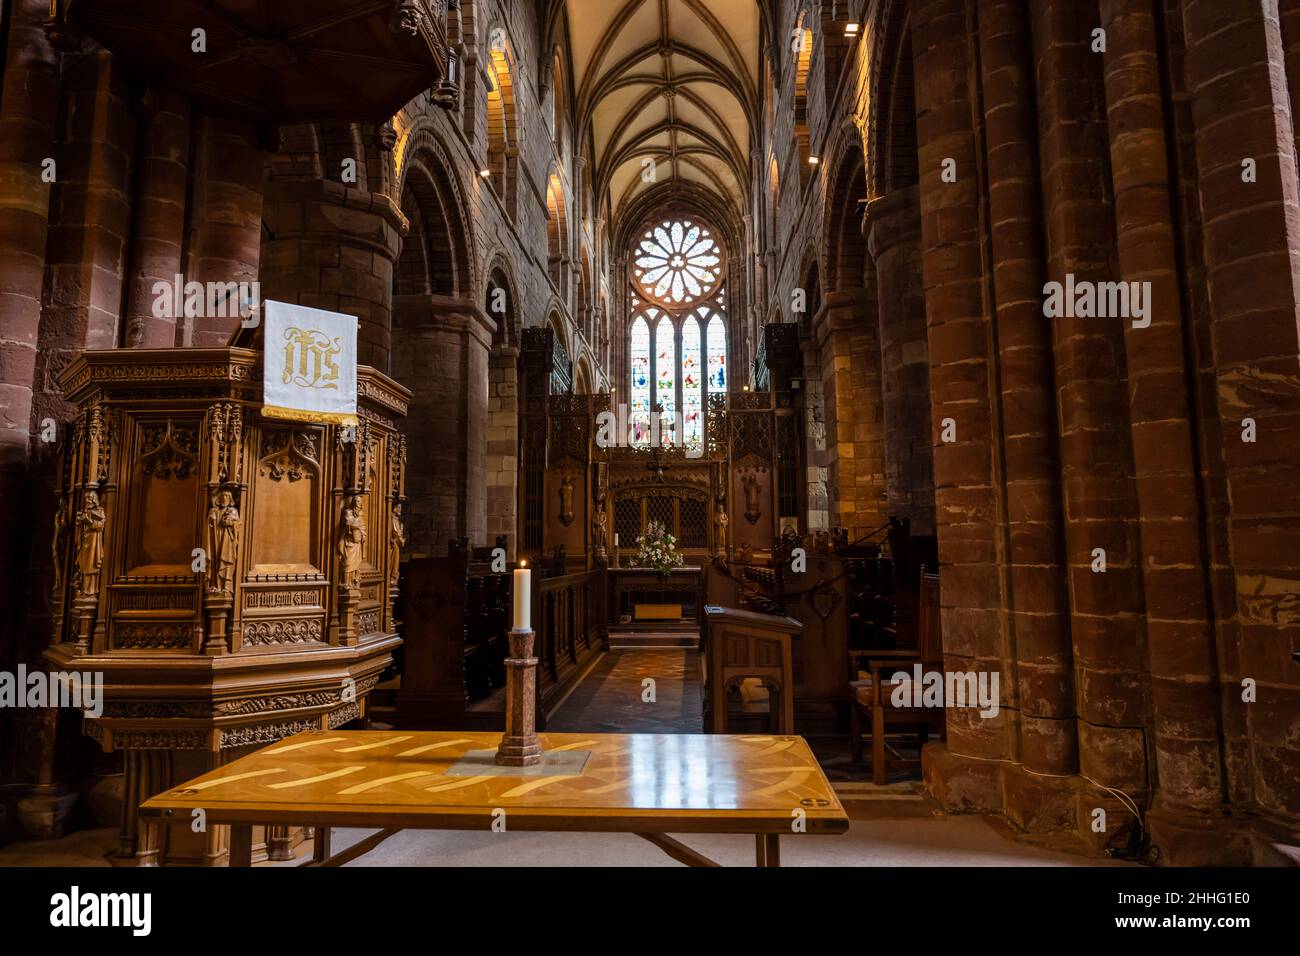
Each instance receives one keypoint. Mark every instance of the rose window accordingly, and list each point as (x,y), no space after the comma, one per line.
(677,263)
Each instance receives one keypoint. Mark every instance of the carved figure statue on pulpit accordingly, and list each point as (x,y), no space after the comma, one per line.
(352,538)
(396,542)
(223,538)
(566,501)
(753,511)
(90,545)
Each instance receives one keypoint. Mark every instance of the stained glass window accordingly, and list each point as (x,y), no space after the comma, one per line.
(639,392)
(677,263)
(677,346)
(717,354)
(665,376)
(692,383)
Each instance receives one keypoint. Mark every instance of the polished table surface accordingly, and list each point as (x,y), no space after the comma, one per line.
(642,783)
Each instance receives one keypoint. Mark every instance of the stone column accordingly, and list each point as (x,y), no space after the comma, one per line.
(1098,489)
(1181,649)
(969,507)
(845,330)
(226,227)
(29,109)
(333,247)
(1240,108)
(158,233)
(893,228)
(501,462)
(1040,611)
(441,354)
(79,291)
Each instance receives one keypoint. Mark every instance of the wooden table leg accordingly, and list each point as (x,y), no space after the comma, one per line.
(321,844)
(149,845)
(769,849)
(760,849)
(241,844)
(878,773)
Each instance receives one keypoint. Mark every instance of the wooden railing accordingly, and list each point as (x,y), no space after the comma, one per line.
(569,621)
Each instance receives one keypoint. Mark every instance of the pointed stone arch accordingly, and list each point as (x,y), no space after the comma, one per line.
(437,255)
(441,338)
(583,378)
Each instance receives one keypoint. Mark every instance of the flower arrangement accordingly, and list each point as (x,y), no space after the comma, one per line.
(657,549)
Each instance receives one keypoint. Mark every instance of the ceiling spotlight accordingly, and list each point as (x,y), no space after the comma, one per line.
(485,172)
(851,29)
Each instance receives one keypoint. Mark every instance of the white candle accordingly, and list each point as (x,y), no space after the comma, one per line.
(523,595)
(616,539)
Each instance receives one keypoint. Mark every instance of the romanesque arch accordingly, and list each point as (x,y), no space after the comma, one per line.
(441,339)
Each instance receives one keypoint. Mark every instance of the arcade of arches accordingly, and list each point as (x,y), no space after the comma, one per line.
(802,252)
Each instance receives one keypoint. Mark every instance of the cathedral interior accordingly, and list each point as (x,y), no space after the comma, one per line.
(885,412)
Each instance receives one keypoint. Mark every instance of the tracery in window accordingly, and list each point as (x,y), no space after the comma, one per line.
(677,339)
(677,263)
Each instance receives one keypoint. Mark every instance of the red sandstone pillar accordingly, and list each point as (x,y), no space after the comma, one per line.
(226,231)
(1241,110)
(159,230)
(1036,543)
(441,353)
(333,247)
(1180,639)
(1096,456)
(968,502)
(28,113)
(894,233)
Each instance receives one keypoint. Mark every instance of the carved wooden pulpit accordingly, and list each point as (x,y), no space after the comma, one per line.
(231,575)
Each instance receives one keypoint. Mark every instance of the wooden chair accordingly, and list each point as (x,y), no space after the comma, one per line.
(871,694)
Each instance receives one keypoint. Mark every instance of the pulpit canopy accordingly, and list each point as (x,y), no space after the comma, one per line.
(284,62)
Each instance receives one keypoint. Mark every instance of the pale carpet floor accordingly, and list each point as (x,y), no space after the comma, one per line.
(937,841)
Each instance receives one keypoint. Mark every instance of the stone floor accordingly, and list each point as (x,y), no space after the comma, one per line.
(636,691)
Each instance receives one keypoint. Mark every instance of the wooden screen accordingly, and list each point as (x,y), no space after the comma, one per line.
(685,514)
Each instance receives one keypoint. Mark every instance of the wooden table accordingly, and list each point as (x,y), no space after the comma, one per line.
(648,784)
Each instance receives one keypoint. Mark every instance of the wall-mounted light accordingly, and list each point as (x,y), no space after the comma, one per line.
(485,172)
(813,160)
(851,29)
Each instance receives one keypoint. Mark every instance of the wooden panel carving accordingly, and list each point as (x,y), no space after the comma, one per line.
(163,539)
(286,489)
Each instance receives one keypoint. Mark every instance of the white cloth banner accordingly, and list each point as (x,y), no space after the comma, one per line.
(310,364)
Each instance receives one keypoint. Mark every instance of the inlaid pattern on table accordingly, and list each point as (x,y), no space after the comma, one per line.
(753,782)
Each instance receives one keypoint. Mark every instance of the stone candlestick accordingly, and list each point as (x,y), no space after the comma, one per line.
(519,744)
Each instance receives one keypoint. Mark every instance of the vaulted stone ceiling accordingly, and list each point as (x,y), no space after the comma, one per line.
(670,81)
